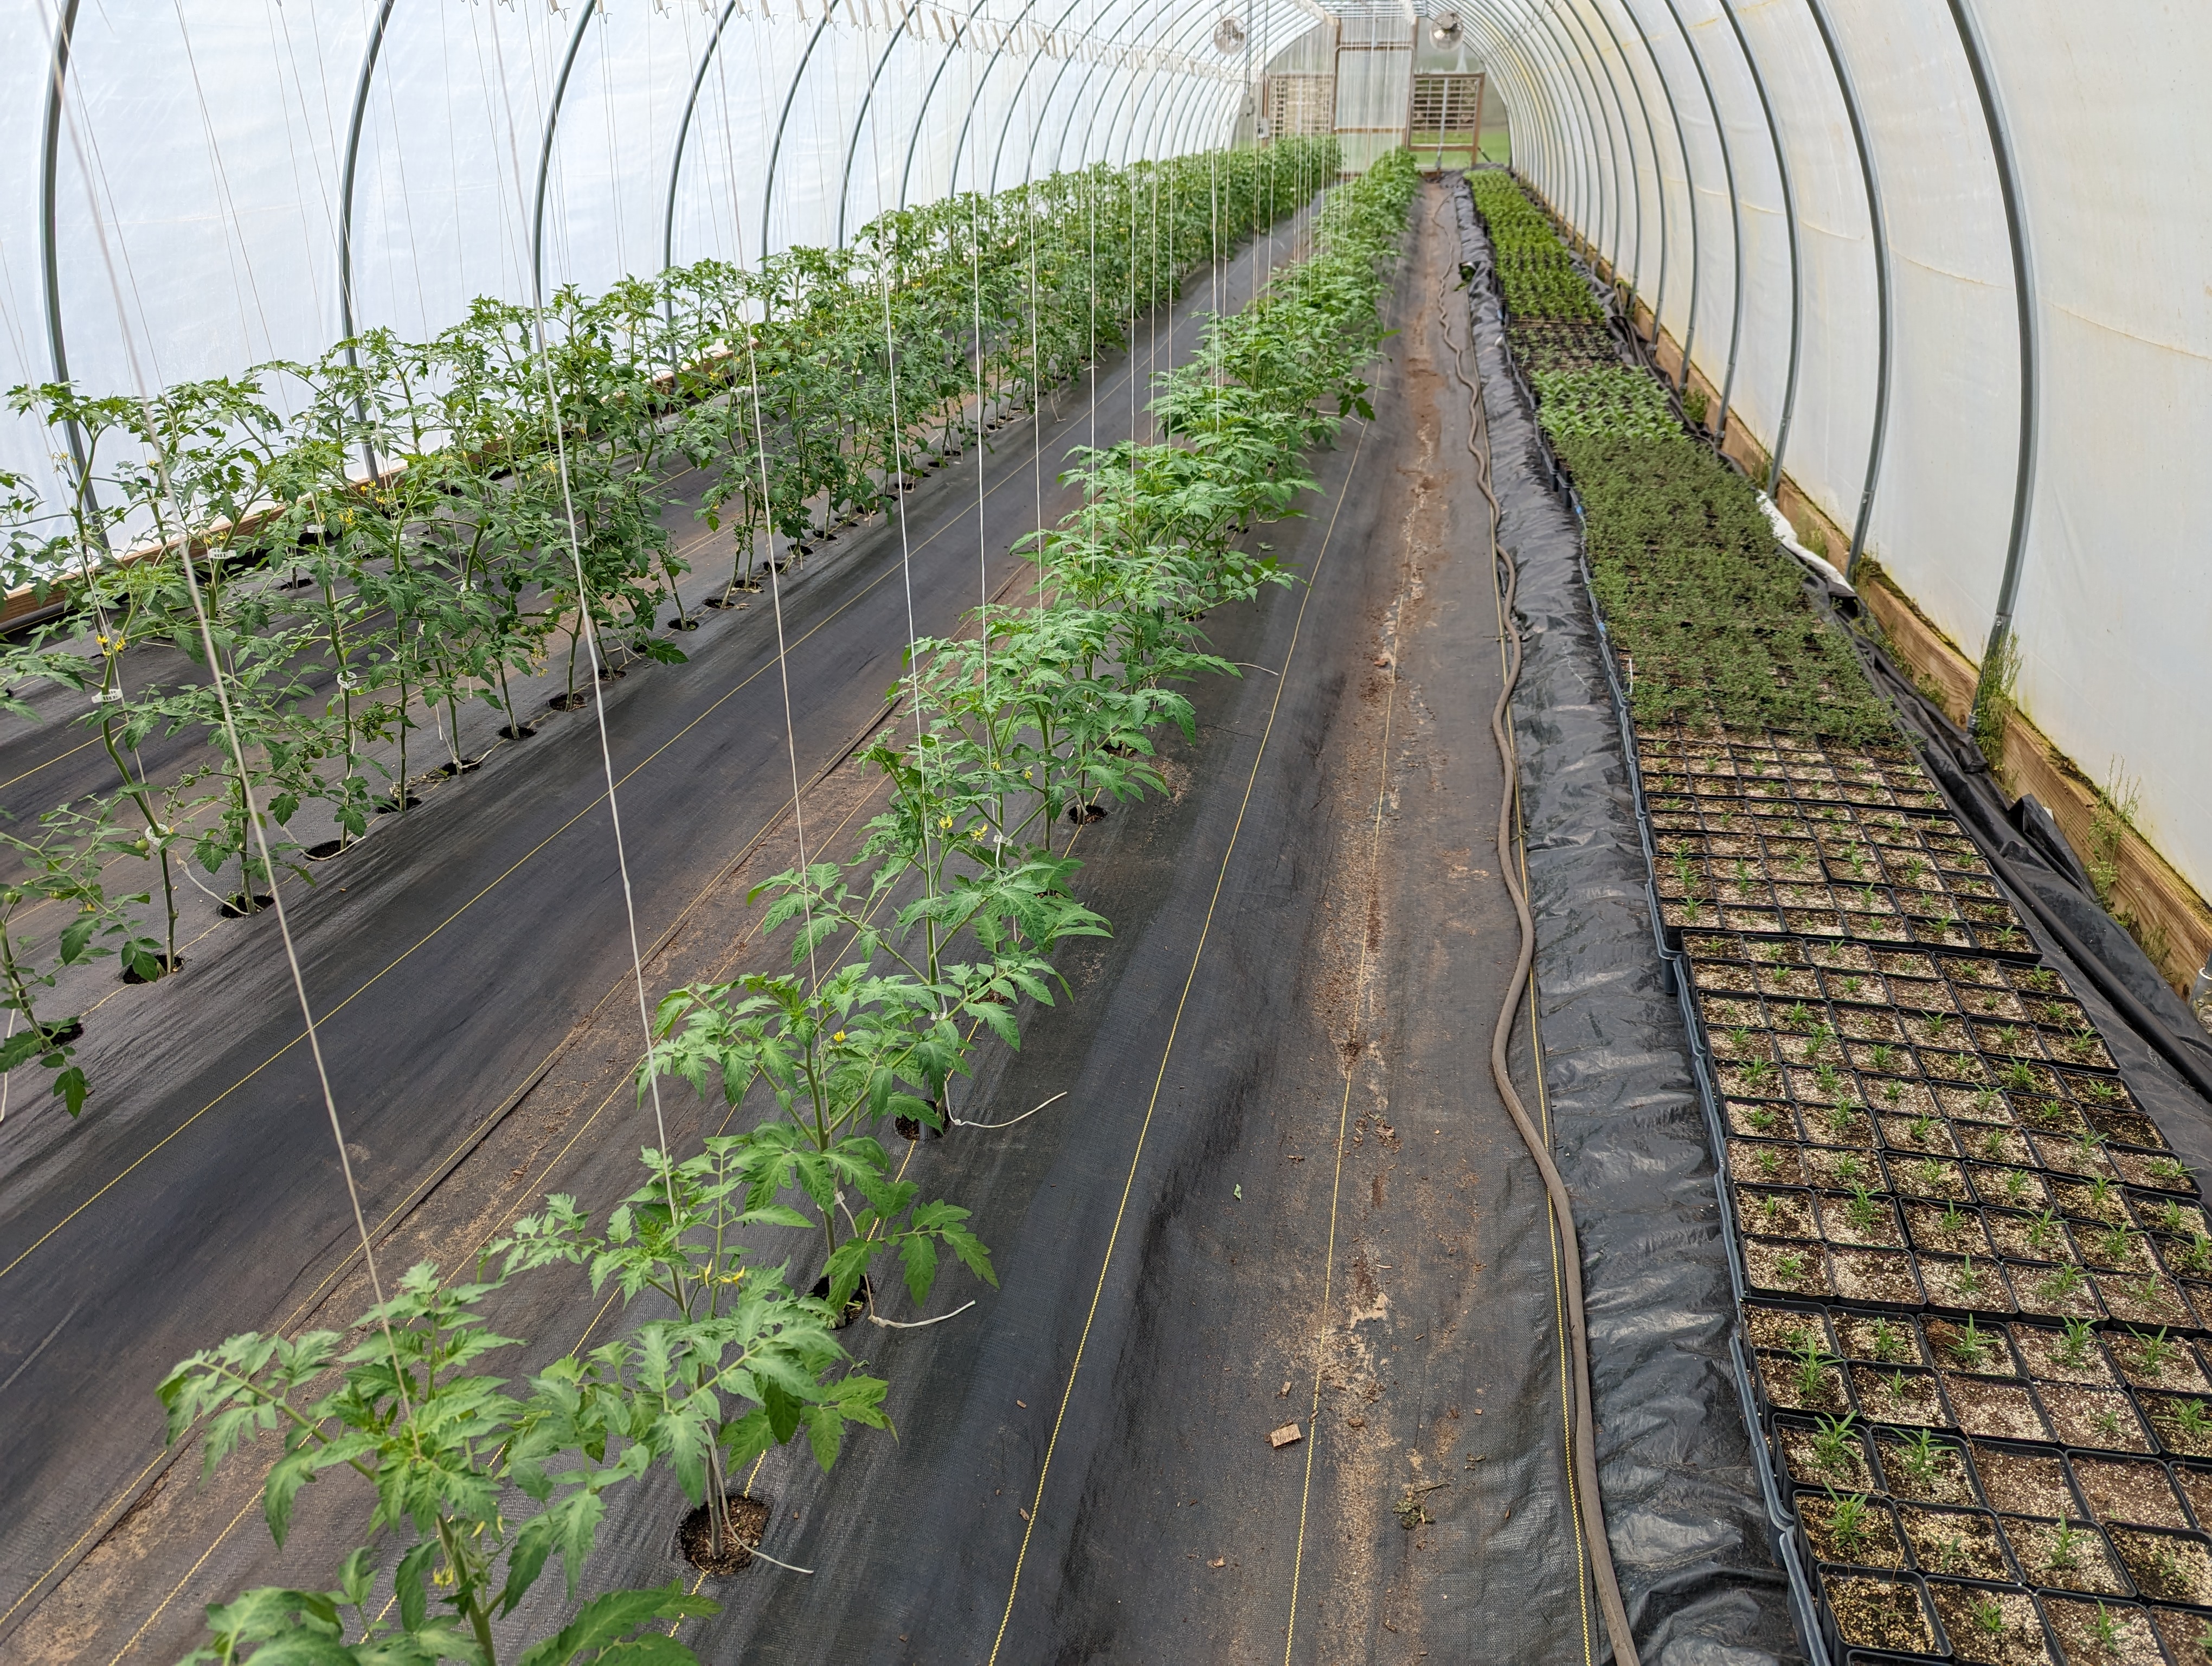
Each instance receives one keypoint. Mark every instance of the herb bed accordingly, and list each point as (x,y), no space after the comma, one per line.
(1975,1282)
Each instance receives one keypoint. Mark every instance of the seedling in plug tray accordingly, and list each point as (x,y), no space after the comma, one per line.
(1962,1542)
(2093,1418)
(1852,1528)
(2166,1566)
(2064,1555)
(2061,1356)
(2139,1491)
(1874,1613)
(1926,1471)
(1828,1452)
(1900,1394)
(2093,1632)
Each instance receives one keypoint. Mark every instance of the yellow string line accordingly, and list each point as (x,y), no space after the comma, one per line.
(1343,1120)
(1205,929)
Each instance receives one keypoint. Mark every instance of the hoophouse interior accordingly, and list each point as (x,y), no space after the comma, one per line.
(1105,830)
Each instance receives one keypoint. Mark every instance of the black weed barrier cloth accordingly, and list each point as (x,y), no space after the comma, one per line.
(1692,1540)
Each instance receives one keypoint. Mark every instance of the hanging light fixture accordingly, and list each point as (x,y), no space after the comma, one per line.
(1228,35)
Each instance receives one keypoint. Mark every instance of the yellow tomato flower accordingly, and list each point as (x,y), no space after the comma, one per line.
(839,1036)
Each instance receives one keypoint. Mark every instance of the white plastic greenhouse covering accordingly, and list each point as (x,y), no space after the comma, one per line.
(1828,200)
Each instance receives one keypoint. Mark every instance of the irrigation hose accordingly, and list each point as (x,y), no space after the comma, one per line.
(1589,1503)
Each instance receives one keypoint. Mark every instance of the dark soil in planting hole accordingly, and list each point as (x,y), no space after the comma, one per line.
(2003,1410)
(568,703)
(2095,1418)
(237,908)
(131,975)
(2111,1634)
(1880,1614)
(1990,1628)
(386,806)
(1945,1476)
(1871,1541)
(683,624)
(748,1523)
(510,732)
(612,673)
(2024,1483)
(1964,1542)
(464,767)
(2131,1491)
(2064,1556)
(854,1307)
(2166,1567)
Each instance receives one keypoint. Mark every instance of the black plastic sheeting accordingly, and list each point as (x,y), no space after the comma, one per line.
(1692,1537)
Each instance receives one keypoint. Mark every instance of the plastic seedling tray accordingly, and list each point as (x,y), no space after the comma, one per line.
(1809,1454)
(1908,1396)
(1995,1407)
(2187,1635)
(2194,1482)
(1947,1229)
(2168,1567)
(2093,1418)
(2053,1354)
(2068,1555)
(1972,1344)
(1925,1468)
(2096,1632)
(1881,1339)
(2159,1362)
(1869,1608)
(1857,1221)
(1991,1625)
(1785,1384)
(2121,1491)
(1849,1529)
(2182,1423)
(1782,1267)
(2150,1300)
(1957,1543)
(1878,1277)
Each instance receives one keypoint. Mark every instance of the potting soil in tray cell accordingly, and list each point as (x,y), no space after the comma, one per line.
(1922,1466)
(1875,1610)
(1964,1284)
(2167,1567)
(2121,1492)
(2094,1420)
(1775,1214)
(2023,1481)
(1782,1267)
(1989,1626)
(2068,1555)
(1850,1529)
(1963,1543)
(2150,1302)
(1969,1344)
(2158,1361)
(1822,1452)
(2002,1408)
(1908,1395)
(2182,1423)
(2187,1635)
(2097,1632)
(2061,1291)
(1861,1218)
(1810,1383)
(1883,1276)
(1948,1229)
(2194,1482)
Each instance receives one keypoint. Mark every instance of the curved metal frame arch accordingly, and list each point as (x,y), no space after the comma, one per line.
(1570,49)
(1790,219)
(1658,184)
(1141,89)
(1575,77)
(775,150)
(683,134)
(1579,143)
(1535,98)
(922,114)
(1158,10)
(354,120)
(1736,217)
(1006,128)
(1172,97)
(2023,279)
(49,254)
(1113,41)
(966,121)
(1543,71)
(1628,143)
(1689,192)
(545,152)
(1878,223)
(1585,85)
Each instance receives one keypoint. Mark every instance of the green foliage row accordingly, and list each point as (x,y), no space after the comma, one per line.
(901,960)
(1534,267)
(1710,616)
(525,470)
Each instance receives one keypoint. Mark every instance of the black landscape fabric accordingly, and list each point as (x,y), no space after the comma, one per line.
(1691,1536)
